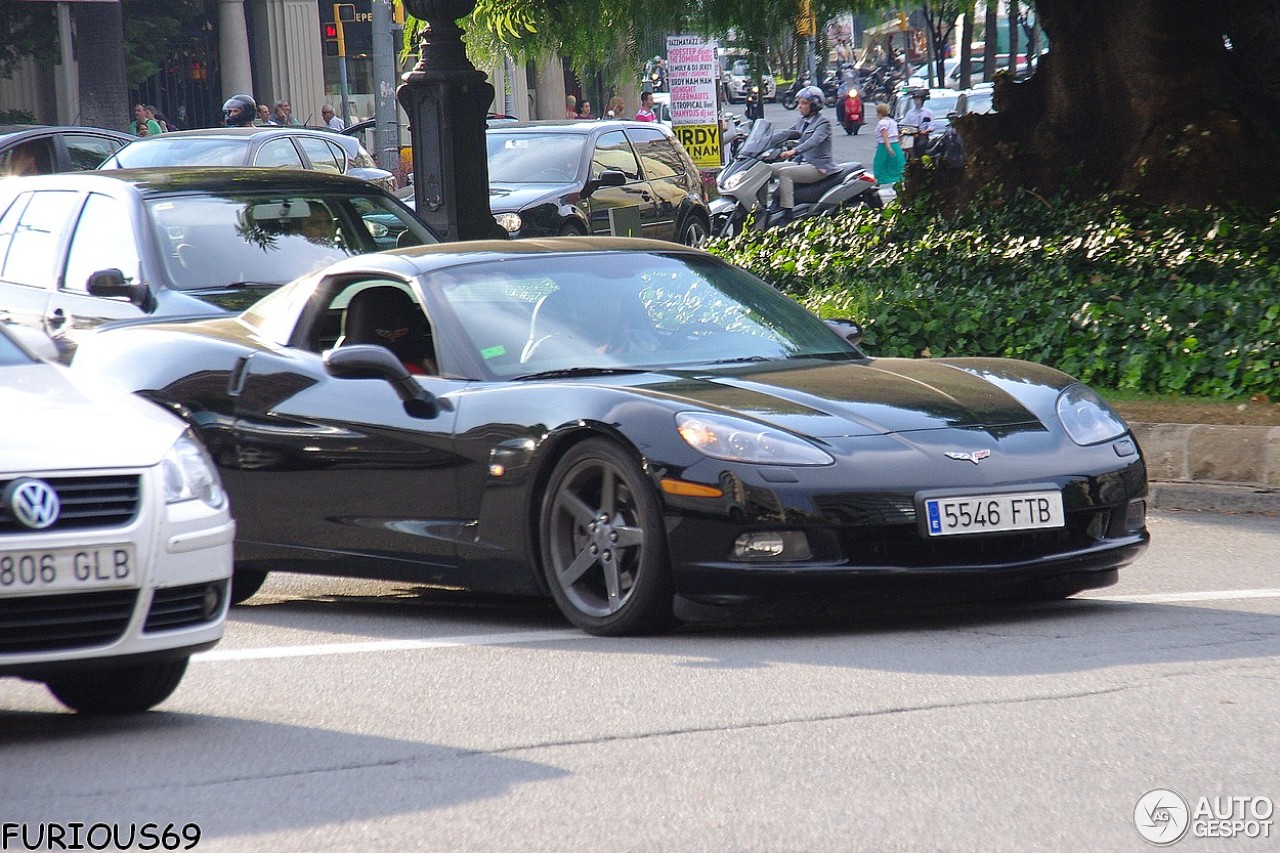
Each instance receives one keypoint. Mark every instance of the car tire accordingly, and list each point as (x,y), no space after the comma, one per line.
(572,229)
(695,231)
(118,689)
(244,583)
(602,543)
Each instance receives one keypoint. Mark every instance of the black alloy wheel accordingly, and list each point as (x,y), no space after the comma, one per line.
(603,545)
(694,232)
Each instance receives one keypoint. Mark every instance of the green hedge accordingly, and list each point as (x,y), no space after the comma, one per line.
(1184,302)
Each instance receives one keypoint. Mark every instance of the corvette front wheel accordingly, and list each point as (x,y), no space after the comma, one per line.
(602,543)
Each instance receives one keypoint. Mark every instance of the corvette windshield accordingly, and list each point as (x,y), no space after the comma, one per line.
(542,315)
(211,241)
(182,151)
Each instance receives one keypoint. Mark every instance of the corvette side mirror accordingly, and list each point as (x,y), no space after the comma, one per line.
(369,361)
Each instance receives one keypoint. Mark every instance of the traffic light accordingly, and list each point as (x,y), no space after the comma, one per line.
(334,43)
(344,13)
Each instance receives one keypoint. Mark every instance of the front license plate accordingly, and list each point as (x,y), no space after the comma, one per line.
(63,569)
(994,513)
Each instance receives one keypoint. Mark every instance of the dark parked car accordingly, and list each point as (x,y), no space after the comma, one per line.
(307,148)
(564,178)
(81,249)
(41,150)
(627,425)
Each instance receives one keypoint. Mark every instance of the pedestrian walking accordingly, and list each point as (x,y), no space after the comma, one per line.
(331,120)
(889,160)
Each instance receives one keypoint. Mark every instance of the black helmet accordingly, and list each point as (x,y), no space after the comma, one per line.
(239,111)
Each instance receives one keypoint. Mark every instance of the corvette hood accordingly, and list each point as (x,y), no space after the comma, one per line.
(509,198)
(54,421)
(835,400)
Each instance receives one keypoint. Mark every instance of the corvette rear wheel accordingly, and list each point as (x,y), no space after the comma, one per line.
(602,543)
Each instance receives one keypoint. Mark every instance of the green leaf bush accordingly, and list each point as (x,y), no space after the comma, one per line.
(1153,301)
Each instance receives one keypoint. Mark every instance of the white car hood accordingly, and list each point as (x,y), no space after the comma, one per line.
(51,419)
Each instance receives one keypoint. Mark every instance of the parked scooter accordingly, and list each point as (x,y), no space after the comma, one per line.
(746,186)
(733,133)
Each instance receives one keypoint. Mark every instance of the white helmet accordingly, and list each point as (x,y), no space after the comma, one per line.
(813,95)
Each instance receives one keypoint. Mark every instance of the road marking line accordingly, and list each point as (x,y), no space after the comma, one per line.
(1176,597)
(273,652)
(359,648)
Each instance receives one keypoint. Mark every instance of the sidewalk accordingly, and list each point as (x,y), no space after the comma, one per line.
(1212,468)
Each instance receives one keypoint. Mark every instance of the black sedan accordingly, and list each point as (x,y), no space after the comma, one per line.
(595,177)
(625,426)
(79,250)
(27,149)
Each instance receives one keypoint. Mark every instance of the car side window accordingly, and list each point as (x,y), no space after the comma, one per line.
(321,154)
(279,153)
(657,155)
(9,224)
(614,152)
(33,250)
(87,152)
(103,239)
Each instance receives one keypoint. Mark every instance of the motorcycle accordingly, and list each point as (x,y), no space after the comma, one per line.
(746,186)
(851,113)
(789,98)
(733,133)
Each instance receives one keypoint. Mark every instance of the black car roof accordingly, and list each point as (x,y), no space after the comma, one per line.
(583,126)
(159,180)
(423,259)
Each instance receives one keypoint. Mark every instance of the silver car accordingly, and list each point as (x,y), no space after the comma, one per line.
(115,537)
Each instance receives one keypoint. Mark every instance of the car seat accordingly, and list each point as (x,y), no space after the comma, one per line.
(388,317)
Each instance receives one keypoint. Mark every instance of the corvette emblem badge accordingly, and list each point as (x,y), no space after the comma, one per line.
(975,457)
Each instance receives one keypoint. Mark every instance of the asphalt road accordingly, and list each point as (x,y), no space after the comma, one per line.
(340,716)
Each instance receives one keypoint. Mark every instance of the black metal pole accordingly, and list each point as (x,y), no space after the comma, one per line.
(446,100)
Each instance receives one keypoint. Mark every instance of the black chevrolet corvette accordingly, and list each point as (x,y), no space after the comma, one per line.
(626,425)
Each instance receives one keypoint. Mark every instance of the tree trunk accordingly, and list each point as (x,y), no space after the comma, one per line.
(990,36)
(1172,100)
(104,94)
(1013,36)
(966,51)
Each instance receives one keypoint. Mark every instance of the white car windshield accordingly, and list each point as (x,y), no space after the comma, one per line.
(181,151)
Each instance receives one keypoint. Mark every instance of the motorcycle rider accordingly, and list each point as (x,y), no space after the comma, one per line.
(919,117)
(239,111)
(810,160)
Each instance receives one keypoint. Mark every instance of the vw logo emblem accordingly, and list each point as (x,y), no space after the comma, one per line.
(34,503)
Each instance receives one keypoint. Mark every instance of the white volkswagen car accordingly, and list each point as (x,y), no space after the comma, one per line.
(115,537)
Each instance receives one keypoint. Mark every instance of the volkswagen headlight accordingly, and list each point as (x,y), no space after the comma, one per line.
(511,222)
(189,474)
(1087,417)
(739,440)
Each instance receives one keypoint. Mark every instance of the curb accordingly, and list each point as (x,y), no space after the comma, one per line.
(1212,468)
(1213,497)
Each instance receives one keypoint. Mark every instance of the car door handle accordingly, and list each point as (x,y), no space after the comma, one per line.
(56,319)
(644,195)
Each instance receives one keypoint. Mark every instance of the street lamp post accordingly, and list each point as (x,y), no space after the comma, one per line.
(446,100)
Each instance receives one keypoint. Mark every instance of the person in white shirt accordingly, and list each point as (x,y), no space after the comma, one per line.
(331,121)
(917,122)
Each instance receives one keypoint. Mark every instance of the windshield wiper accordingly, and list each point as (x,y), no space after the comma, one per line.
(741,360)
(567,372)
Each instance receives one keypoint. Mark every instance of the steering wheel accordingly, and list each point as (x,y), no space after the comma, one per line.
(553,345)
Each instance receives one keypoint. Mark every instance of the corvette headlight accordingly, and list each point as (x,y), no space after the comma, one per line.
(509,221)
(189,474)
(737,440)
(1087,417)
